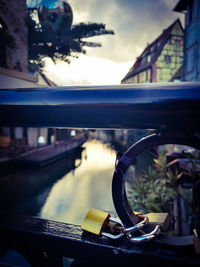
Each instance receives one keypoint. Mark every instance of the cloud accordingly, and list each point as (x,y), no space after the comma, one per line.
(135,22)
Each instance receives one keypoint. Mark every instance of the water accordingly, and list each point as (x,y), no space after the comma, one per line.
(65,190)
(88,186)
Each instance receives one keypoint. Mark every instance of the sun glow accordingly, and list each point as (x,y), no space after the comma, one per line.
(86,70)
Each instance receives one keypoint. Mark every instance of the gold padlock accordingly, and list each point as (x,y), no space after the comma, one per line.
(96,222)
(161,218)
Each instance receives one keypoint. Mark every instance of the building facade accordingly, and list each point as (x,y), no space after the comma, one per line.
(161,59)
(191,8)
(13,35)
(14,74)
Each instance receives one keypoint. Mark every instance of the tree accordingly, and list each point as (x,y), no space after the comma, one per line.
(53,36)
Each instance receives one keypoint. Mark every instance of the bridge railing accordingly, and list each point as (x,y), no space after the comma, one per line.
(165,107)
(172,106)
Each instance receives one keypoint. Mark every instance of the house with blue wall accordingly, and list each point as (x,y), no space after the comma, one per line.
(191,9)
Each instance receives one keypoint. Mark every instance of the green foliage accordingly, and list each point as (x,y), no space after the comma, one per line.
(58,40)
(193,168)
(154,189)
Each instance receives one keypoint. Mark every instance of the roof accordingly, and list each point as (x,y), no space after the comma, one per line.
(27,77)
(154,49)
(181,5)
(47,80)
(18,75)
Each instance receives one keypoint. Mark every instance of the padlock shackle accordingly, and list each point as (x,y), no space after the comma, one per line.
(115,220)
(121,204)
(137,226)
(144,238)
(111,236)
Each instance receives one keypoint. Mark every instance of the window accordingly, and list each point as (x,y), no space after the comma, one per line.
(177,42)
(190,59)
(169,41)
(148,58)
(148,75)
(18,132)
(181,59)
(176,80)
(167,59)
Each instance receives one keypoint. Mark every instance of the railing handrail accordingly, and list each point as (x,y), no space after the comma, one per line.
(171,106)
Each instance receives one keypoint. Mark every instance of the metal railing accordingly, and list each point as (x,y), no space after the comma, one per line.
(173,108)
(157,106)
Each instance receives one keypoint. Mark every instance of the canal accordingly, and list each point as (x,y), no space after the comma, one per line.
(64,190)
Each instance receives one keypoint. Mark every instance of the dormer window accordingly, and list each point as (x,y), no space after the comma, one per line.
(169,41)
(148,58)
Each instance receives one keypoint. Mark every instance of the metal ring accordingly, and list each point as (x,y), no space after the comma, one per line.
(137,226)
(121,204)
(144,238)
(112,236)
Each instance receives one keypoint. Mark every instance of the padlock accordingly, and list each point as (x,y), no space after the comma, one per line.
(96,222)
(161,218)
(196,241)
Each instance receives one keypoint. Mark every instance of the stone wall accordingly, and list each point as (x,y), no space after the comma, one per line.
(13,14)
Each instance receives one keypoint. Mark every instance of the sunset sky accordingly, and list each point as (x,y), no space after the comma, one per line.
(135,23)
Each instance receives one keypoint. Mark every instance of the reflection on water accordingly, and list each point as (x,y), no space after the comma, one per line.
(64,190)
(88,186)
(25,189)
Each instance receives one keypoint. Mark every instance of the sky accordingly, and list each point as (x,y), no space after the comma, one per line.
(135,23)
